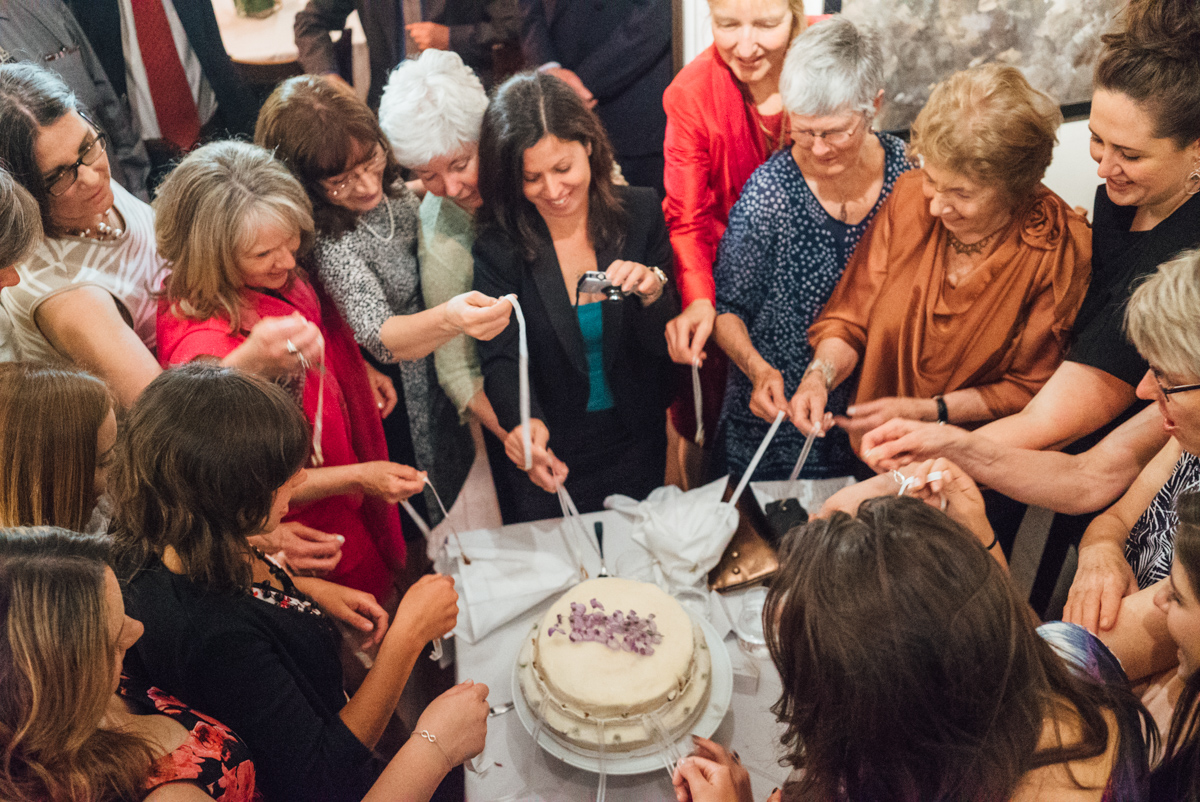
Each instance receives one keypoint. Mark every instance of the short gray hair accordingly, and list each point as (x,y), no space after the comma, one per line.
(1163,316)
(834,66)
(431,107)
(20,221)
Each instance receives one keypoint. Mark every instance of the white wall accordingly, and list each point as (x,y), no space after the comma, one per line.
(1072,174)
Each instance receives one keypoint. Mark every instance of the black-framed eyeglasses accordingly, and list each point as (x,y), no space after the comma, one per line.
(1169,391)
(62,179)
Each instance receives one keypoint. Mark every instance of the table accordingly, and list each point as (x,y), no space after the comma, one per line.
(270,41)
(522,771)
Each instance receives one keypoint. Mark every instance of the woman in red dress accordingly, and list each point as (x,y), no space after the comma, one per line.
(724,118)
(230,221)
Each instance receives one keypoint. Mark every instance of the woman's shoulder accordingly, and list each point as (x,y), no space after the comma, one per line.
(1047,221)
(692,86)
(1076,780)
(638,200)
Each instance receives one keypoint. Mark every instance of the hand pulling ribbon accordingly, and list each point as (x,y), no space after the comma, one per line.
(523,364)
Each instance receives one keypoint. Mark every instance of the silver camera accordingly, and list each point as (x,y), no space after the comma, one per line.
(594,281)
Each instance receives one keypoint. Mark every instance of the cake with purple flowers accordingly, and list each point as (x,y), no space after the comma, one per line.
(618,657)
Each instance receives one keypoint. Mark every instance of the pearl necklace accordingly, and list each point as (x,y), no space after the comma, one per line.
(391,222)
(102,231)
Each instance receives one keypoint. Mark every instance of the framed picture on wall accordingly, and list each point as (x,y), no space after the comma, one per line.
(1054,42)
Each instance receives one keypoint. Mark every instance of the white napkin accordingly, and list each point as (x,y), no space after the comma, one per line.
(500,584)
(686,532)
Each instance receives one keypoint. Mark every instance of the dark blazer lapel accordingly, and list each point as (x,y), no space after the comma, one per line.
(547,276)
(614,312)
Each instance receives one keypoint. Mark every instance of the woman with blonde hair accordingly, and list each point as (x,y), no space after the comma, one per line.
(231,219)
(57,429)
(724,118)
(70,730)
(958,303)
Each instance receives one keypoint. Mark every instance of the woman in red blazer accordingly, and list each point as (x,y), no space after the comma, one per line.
(724,118)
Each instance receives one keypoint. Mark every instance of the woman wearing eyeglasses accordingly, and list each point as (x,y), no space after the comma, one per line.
(790,235)
(958,303)
(86,295)
(365,258)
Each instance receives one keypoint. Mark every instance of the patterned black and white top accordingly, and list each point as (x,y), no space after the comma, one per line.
(371,274)
(1151,544)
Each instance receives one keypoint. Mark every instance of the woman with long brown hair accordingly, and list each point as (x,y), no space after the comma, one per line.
(912,670)
(57,429)
(67,733)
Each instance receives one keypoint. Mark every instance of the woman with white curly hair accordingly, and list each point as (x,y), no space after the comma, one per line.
(431,112)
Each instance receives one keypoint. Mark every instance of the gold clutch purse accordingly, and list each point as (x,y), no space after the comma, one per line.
(749,558)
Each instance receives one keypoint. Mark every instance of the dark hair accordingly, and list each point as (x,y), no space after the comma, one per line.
(911,668)
(56,668)
(1183,739)
(32,98)
(202,453)
(1153,56)
(316,127)
(527,107)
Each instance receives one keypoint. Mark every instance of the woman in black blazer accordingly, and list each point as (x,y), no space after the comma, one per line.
(598,369)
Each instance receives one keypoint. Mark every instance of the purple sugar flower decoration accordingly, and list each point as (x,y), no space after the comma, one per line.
(619,631)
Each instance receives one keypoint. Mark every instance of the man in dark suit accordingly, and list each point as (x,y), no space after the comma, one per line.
(616,53)
(474,29)
(223,103)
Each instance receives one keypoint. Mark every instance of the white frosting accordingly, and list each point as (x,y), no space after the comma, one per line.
(583,682)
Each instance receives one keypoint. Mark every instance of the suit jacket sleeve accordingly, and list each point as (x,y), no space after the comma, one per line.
(653,319)
(535,33)
(629,52)
(311,30)
(498,269)
(501,23)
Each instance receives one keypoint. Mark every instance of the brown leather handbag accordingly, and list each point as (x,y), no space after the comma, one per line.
(749,559)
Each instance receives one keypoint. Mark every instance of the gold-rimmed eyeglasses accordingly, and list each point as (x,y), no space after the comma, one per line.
(377,160)
(62,179)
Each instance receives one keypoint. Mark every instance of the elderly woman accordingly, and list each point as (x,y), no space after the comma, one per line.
(1130,545)
(365,258)
(957,305)
(725,116)
(790,235)
(598,369)
(231,219)
(86,295)
(431,112)
(912,671)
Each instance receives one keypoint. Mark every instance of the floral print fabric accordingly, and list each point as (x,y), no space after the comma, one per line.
(212,757)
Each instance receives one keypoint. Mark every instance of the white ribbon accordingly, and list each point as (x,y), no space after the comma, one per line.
(696,396)
(523,364)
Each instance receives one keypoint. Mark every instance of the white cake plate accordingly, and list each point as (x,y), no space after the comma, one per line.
(720,693)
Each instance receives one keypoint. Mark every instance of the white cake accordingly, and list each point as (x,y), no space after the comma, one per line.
(611,651)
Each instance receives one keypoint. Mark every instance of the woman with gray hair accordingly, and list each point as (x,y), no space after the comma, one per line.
(20,232)
(789,238)
(431,111)
(1162,320)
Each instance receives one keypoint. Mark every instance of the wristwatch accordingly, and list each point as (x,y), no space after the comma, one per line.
(660,275)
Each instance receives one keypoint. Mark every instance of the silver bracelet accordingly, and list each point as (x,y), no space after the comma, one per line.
(429,736)
(828,371)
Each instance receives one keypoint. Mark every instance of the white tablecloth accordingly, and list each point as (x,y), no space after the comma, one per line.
(520,770)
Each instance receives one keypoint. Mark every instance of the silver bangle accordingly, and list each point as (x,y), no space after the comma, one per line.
(828,371)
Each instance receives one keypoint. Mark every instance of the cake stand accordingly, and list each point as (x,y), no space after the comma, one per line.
(647,759)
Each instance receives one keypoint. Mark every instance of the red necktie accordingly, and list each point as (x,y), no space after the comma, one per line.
(174,105)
